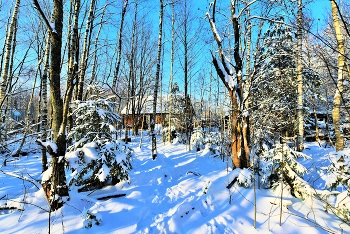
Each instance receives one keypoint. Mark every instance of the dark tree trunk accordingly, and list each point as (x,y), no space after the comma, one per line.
(57,183)
(239,120)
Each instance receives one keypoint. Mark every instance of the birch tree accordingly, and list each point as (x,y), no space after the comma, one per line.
(44,109)
(171,65)
(85,52)
(339,138)
(300,118)
(6,67)
(120,40)
(156,86)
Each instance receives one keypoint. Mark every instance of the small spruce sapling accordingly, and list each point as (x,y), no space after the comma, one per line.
(95,158)
(280,163)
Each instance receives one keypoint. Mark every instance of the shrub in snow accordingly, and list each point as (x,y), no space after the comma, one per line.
(338,173)
(94,157)
(215,142)
(342,206)
(90,218)
(245,178)
(93,119)
(218,143)
(279,164)
(197,139)
(337,178)
(165,133)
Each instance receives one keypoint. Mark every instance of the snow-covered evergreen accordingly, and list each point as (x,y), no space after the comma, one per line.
(95,158)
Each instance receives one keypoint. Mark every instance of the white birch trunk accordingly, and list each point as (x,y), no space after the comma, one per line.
(300,118)
(339,138)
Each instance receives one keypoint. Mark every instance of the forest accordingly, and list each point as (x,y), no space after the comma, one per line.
(191,116)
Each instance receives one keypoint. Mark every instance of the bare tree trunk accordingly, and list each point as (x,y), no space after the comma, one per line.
(132,75)
(153,116)
(93,68)
(56,187)
(317,136)
(185,45)
(8,51)
(300,117)
(86,47)
(171,66)
(73,59)
(5,70)
(240,155)
(247,86)
(339,138)
(116,73)
(44,122)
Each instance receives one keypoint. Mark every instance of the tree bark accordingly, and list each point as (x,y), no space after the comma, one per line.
(300,117)
(240,139)
(86,48)
(171,66)
(119,52)
(44,122)
(94,63)
(156,86)
(339,138)
(132,74)
(6,68)
(56,187)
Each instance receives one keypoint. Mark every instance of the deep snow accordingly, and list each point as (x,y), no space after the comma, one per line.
(180,192)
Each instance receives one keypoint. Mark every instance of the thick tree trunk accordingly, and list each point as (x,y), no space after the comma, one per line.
(339,138)
(247,86)
(56,187)
(239,119)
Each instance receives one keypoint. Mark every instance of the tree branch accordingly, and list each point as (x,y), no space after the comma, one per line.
(46,21)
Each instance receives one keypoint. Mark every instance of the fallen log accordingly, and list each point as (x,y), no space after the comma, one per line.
(112,196)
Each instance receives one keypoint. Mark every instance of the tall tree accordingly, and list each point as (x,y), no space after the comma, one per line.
(339,138)
(44,109)
(300,118)
(85,52)
(233,82)
(56,187)
(171,65)
(120,40)
(188,34)
(156,86)
(6,68)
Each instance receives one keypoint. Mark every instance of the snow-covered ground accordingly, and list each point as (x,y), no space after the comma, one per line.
(180,192)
